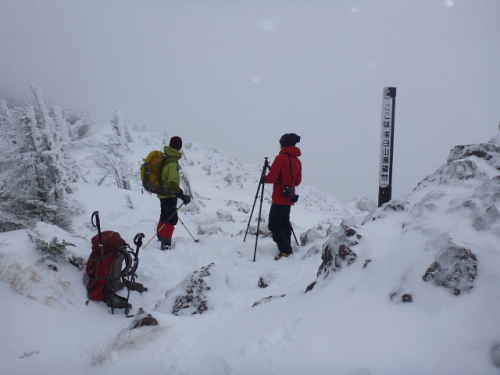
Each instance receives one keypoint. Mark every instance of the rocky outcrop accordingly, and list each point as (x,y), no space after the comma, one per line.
(455,268)
(337,252)
(266,279)
(482,150)
(142,319)
(396,205)
(456,170)
(190,296)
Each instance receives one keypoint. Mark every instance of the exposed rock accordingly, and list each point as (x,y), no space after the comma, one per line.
(406,298)
(267,299)
(461,170)
(486,219)
(310,236)
(191,293)
(143,319)
(337,251)
(266,279)
(262,283)
(396,205)
(310,286)
(455,268)
(482,150)
(398,297)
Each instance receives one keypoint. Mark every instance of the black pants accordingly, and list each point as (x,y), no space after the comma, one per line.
(168,208)
(280,226)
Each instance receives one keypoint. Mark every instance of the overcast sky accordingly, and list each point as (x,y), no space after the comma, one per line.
(236,75)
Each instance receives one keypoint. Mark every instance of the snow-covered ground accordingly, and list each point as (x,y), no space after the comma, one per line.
(368,312)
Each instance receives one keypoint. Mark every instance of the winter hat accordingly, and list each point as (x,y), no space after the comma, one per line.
(289,139)
(176,142)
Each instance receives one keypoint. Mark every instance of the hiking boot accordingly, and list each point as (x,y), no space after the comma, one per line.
(281,255)
(166,244)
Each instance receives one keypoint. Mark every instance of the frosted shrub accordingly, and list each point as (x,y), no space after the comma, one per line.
(55,250)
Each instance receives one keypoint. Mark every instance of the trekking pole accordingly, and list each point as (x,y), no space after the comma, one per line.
(165,223)
(195,240)
(297,242)
(266,166)
(97,223)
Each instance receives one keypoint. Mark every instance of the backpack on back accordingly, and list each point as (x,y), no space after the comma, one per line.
(151,173)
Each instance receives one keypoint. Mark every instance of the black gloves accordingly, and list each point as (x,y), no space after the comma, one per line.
(263,180)
(186,199)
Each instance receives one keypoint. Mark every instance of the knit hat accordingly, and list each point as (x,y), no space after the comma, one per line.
(289,139)
(176,142)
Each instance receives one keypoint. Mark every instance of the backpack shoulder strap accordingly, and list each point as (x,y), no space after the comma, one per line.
(291,164)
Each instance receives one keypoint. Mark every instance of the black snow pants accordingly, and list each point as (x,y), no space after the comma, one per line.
(280,226)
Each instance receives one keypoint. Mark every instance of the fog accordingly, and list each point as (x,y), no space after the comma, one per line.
(236,75)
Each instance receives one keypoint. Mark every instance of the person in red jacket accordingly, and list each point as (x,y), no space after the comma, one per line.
(285,174)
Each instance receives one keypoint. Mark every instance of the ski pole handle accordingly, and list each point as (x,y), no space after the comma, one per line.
(138,241)
(95,219)
(95,215)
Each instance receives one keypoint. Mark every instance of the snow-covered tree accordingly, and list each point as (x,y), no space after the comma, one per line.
(62,129)
(118,128)
(113,159)
(52,155)
(36,171)
(78,122)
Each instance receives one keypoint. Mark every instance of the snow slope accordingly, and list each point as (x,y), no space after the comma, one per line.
(353,320)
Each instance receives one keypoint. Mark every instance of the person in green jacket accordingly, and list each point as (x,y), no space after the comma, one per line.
(171,181)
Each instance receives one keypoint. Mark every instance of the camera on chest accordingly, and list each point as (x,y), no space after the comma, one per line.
(288,192)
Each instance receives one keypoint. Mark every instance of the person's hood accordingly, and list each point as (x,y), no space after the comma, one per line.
(172,152)
(292,150)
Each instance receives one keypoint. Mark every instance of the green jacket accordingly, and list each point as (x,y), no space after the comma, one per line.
(170,176)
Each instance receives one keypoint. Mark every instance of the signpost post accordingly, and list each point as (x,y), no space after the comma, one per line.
(386,145)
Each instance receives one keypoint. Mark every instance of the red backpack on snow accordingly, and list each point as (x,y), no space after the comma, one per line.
(100,264)
(111,266)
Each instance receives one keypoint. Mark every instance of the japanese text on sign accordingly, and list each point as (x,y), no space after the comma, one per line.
(385,142)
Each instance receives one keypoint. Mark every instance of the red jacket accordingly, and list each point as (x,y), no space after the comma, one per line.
(281,174)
